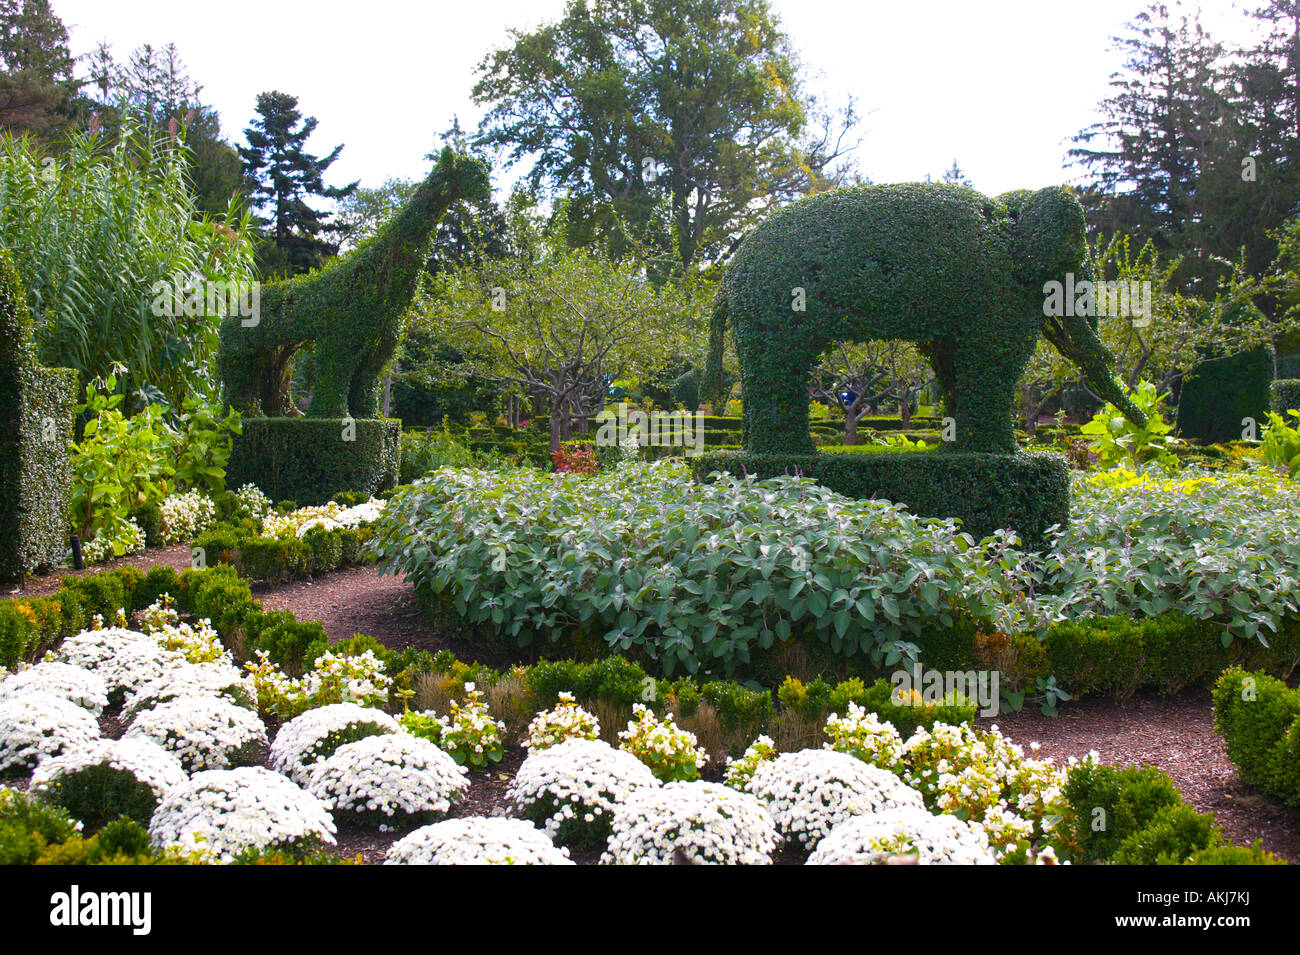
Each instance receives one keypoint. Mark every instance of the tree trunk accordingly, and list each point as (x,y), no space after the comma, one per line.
(850,427)
(905,411)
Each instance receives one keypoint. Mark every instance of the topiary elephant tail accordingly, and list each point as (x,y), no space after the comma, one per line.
(712,388)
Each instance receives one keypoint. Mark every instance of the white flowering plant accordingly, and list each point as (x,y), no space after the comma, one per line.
(197,643)
(934,840)
(205,732)
(252,502)
(984,777)
(218,679)
(317,733)
(740,770)
(105,779)
(37,726)
(469,735)
(125,538)
(71,683)
(477,840)
(706,823)
(393,778)
(671,753)
(866,736)
(360,679)
(125,659)
(571,789)
(225,812)
(185,516)
(329,516)
(566,720)
(809,792)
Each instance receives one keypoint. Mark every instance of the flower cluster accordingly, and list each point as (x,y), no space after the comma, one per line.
(316,734)
(470,735)
(740,771)
(73,684)
(253,502)
(186,515)
(809,792)
(197,643)
(35,726)
(125,659)
(567,720)
(572,788)
(147,764)
(393,776)
(219,679)
(357,679)
(329,516)
(708,823)
(205,732)
(867,737)
(477,841)
(984,777)
(670,752)
(224,812)
(128,538)
(935,840)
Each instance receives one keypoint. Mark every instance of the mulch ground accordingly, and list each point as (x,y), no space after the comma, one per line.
(1174,733)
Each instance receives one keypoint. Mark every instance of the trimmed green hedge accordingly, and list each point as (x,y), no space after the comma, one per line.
(36,407)
(1259,719)
(309,459)
(1284,395)
(988,492)
(1219,392)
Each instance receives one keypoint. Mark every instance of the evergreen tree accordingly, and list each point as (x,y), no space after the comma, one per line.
(36,80)
(281,176)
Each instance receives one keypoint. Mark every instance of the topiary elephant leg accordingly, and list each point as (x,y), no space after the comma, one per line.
(240,367)
(984,393)
(776,393)
(334,370)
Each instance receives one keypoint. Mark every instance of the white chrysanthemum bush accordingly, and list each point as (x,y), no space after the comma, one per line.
(933,839)
(105,779)
(226,812)
(392,778)
(316,734)
(697,822)
(36,726)
(74,684)
(477,841)
(866,736)
(571,789)
(125,659)
(809,792)
(205,732)
(740,769)
(217,679)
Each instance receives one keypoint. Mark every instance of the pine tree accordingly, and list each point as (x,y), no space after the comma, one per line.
(36,79)
(281,175)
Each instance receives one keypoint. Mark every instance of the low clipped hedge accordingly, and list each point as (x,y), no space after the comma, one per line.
(1284,395)
(308,459)
(1220,392)
(275,560)
(987,492)
(1259,719)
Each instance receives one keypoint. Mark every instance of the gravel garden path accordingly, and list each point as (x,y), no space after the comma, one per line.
(1174,733)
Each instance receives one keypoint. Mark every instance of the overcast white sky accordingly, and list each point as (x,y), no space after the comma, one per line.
(999,85)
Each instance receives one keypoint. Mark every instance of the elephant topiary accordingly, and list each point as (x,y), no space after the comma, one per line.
(957,272)
(352,309)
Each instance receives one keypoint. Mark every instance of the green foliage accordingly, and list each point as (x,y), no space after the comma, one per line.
(1234,855)
(1280,441)
(1117,441)
(1259,719)
(352,310)
(309,460)
(202,445)
(987,492)
(889,262)
(425,451)
(1284,395)
(287,640)
(28,826)
(1220,392)
(98,230)
(34,435)
(100,794)
(1108,805)
(1173,835)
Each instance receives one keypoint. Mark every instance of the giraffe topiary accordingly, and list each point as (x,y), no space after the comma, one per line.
(351,309)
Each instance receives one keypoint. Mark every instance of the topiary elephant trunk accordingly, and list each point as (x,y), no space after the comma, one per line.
(960,274)
(352,309)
